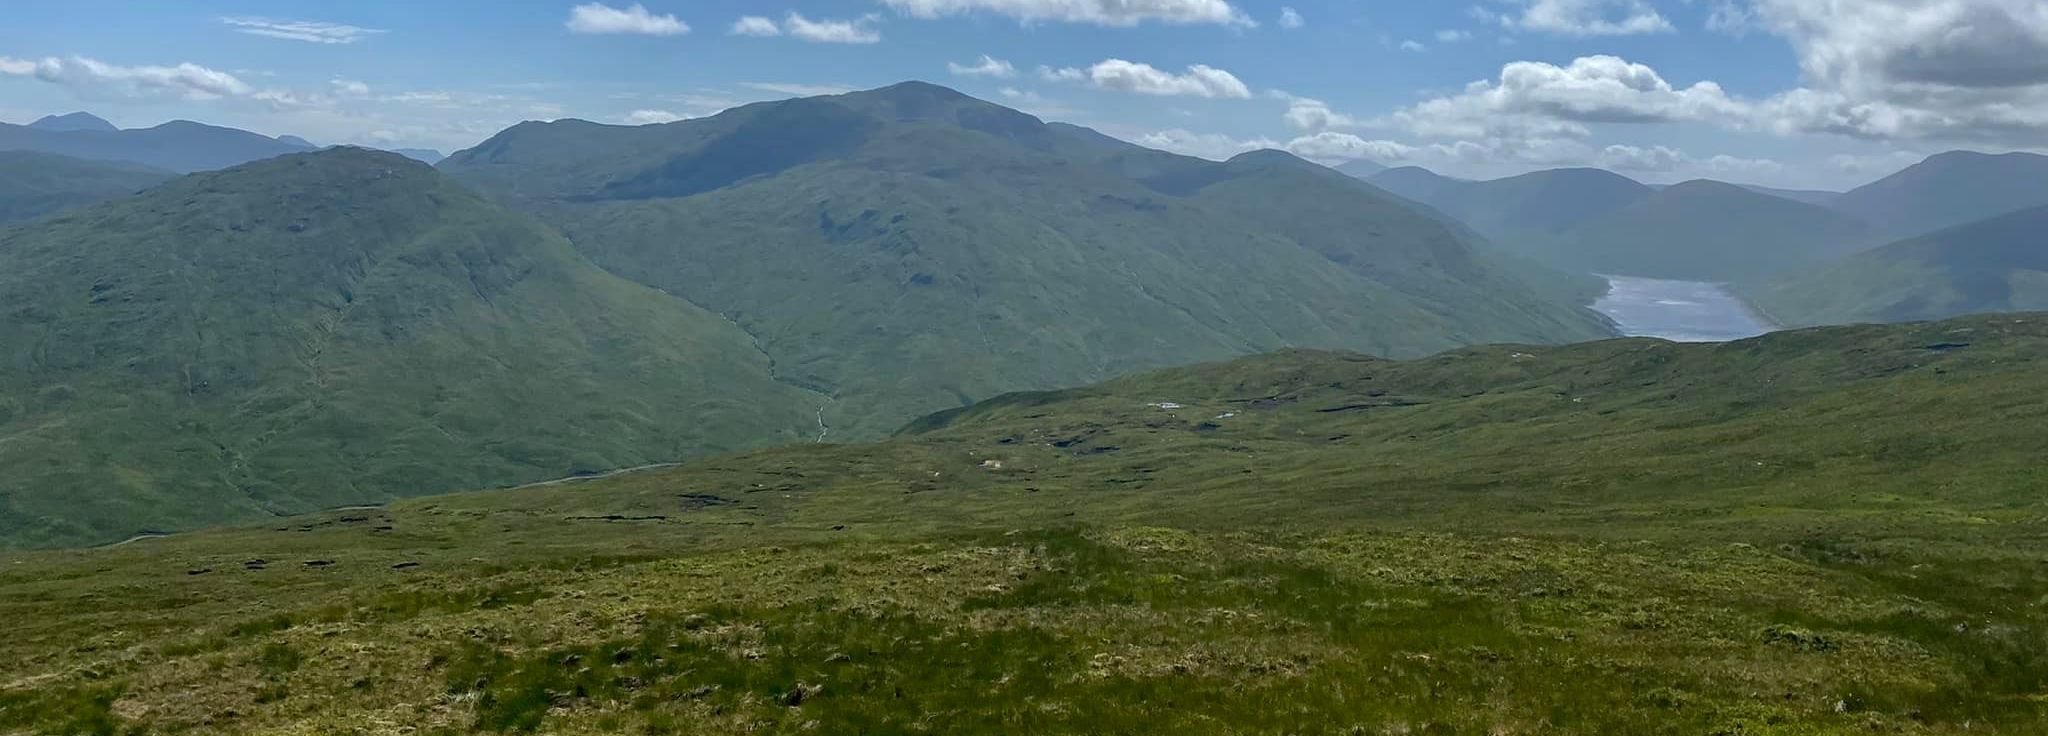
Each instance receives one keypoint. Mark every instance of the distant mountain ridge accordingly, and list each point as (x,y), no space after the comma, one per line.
(911,248)
(1949,189)
(1999,264)
(181,146)
(1704,231)
(76,121)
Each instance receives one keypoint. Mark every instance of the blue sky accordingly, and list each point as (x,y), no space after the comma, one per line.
(1805,93)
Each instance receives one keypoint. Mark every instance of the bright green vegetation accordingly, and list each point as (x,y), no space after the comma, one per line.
(180,145)
(911,249)
(336,328)
(37,184)
(1997,265)
(1828,531)
(1948,190)
(1704,231)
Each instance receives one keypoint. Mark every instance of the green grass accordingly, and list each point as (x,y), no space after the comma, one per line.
(1815,532)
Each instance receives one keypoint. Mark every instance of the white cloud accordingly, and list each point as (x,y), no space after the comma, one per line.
(1099,12)
(1330,146)
(754,25)
(652,117)
(1128,76)
(988,66)
(1580,17)
(1067,74)
(189,81)
(1413,45)
(351,88)
(299,30)
(1212,146)
(1290,18)
(797,89)
(1453,35)
(832,31)
(601,19)
(1539,99)
(1307,113)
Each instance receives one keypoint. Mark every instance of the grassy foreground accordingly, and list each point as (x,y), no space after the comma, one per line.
(1825,531)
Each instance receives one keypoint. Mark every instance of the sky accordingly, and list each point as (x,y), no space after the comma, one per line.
(1821,94)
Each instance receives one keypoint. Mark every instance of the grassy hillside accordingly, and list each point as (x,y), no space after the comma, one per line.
(336,328)
(1948,190)
(912,249)
(1813,532)
(1998,265)
(36,184)
(1704,231)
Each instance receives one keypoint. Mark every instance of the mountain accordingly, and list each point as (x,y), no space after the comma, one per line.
(297,141)
(1360,169)
(911,248)
(36,184)
(1809,196)
(1996,265)
(73,122)
(180,146)
(335,328)
(426,156)
(1621,537)
(1413,182)
(1950,189)
(1704,231)
(1543,202)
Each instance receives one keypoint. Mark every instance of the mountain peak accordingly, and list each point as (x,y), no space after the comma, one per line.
(77,121)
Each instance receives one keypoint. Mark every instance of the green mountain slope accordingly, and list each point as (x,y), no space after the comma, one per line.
(36,184)
(1815,532)
(180,145)
(1704,231)
(336,328)
(1949,189)
(911,249)
(1997,265)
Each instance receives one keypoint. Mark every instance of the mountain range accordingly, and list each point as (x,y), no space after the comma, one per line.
(910,248)
(35,184)
(1994,265)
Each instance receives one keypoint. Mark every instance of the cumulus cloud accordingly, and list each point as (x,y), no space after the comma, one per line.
(1532,98)
(602,19)
(652,117)
(754,25)
(1580,18)
(988,66)
(1413,45)
(1200,80)
(1291,18)
(1307,113)
(1098,12)
(299,30)
(351,88)
(857,31)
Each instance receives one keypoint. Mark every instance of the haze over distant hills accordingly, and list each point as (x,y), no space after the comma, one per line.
(76,121)
(36,184)
(1949,189)
(330,328)
(1995,265)
(1704,231)
(911,248)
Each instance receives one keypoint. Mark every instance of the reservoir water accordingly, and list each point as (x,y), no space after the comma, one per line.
(1682,311)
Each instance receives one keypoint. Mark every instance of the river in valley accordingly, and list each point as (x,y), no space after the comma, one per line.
(1683,311)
